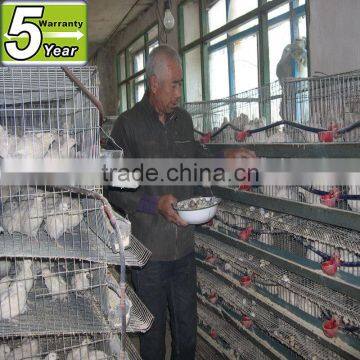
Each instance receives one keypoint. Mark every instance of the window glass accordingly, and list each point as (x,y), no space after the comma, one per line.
(132,90)
(218,39)
(279,38)
(282,9)
(302,69)
(302,26)
(191,29)
(139,91)
(246,63)
(238,8)
(218,74)
(237,50)
(123,101)
(217,15)
(299,3)
(139,87)
(153,46)
(122,66)
(192,71)
(139,61)
(246,26)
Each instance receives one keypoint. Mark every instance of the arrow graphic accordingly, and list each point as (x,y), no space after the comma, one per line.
(53,34)
(77,34)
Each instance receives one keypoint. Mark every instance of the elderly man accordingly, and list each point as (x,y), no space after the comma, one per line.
(157,127)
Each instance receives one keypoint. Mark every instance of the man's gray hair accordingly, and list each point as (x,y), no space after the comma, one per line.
(155,61)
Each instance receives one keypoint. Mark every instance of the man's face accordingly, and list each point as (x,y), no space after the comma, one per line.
(167,88)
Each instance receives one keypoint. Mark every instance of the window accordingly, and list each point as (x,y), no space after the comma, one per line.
(218,72)
(131,68)
(192,75)
(244,55)
(246,63)
(189,15)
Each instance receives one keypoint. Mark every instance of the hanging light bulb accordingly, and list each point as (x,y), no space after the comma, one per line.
(169,20)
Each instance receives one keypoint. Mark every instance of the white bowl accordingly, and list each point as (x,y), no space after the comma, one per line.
(198,216)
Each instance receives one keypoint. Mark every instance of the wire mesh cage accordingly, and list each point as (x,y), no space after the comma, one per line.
(250,313)
(306,110)
(48,222)
(52,296)
(205,351)
(66,347)
(307,239)
(44,114)
(64,296)
(226,337)
(279,285)
(138,317)
(54,243)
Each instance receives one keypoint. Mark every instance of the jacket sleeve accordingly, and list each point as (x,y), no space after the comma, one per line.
(128,200)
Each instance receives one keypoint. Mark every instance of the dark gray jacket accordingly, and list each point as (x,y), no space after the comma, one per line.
(140,134)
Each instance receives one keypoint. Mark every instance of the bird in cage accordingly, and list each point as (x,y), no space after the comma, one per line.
(28,349)
(7,143)
(259,137)
(26,274)
(115,346)
(34,145)
(24,216)
(51,356)
(81,352)
(4,350)
(240,121)
(63,147)
(62,214)
(55,284)
(14,291)
(13,301)
(97,355)
(81,280)
(4,267)
(4,284)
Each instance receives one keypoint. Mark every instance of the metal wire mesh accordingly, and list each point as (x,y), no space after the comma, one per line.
(139,318)
(284,286)
(236,303)
(96,347)
(323,103)
(47,297)
(63,296)
(227,338)
(309,239)
(44,222)
(348,198)
(205,351)
(42,112)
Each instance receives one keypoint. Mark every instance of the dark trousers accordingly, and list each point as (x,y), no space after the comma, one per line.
(169,283)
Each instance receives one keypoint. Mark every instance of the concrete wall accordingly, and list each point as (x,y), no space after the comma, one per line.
(334,42)
(334,35)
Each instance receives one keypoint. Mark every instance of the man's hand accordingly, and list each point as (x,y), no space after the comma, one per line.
(165,208)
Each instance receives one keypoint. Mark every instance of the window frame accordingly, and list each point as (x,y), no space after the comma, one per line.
(261,29)
(130,79)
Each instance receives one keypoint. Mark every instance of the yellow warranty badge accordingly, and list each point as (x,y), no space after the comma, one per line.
(43,33)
